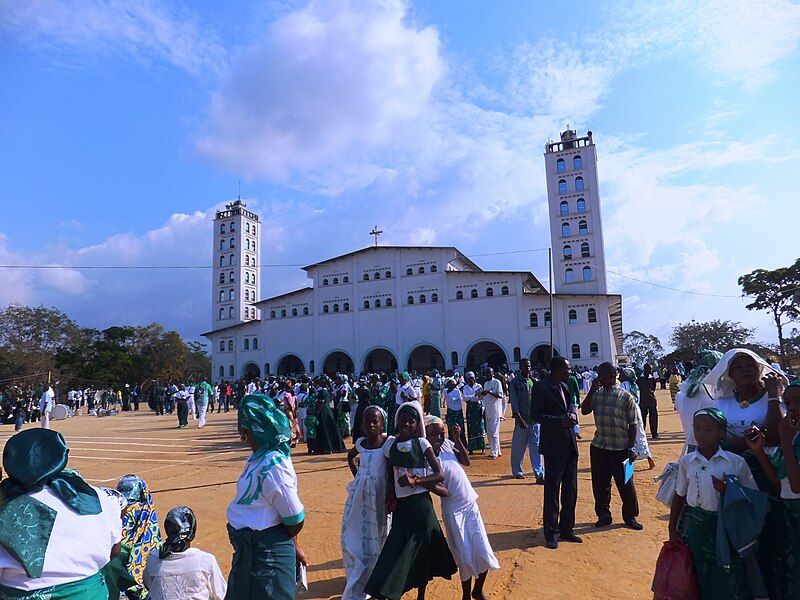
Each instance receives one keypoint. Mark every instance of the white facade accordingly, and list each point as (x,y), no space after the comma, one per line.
(388,307)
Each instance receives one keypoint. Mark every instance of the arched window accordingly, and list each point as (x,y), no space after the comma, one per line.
(594,350)
(534,319)
(473,293)
(221,346)
(581,205)
(248,227)
(230,371)
(573,316)
(592,315)
(221,261)
(576,351)
(232,228)
(561,166)
(324,282)
(230,345)
(410,300)
(247,244)
(231,243)
(222,277)
(222,295)
(562,186)
(231,261)
(254,230)
(283,313)
(247,343)
(335,308)
(564,230)
(388,302)
(453,359)
(517,354)
(579,184)
(221,371)
(434,268)
(335,281)
(272,314)
(230,294)
(346,279)
(583,227)
(246,260)
(422,299)
(376,275)
(324,308)
(459,295)
(421,270)
(564,208)
(489,292)
(366,277)
(346,307)
(305,310)
(587,273)
(409,271)
(569,275)
(434,298)
(222,244)
(585,250)
(577,162)
(222,227)
(230,312)
(388,274)
(230,277)
(366,304)
(504,290)
(546,318)
(294,312)
(221,313)
(567,252)
(247,276)
(377,303)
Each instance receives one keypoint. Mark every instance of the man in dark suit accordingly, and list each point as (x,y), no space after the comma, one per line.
(551,406)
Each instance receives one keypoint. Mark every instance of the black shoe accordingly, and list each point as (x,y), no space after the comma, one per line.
(540,481)
(634,524)
(571,537)
(552,544)
(520,476)
(603,522)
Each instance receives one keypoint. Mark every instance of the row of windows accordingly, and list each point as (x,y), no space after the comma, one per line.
(569,274)
(231,261)
(594,350)
(272,313)
(247,344)
(421,270)
(562,185)
(249,295)
(473,293)
(591,316)
(583,228)
(232,228)
(345,279)
(222,277)
(247,278)
(564,207)
(567,251)
(561,164)
(377,275)
(249,312)
(388,303)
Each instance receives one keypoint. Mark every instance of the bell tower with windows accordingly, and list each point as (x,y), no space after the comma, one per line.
(576,226)
(236,283)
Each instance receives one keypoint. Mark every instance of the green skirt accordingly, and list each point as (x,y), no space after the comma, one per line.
(715,582)
(475,426)
(263,566)
(90,588)
(791,518)
(435,407)
(414,552)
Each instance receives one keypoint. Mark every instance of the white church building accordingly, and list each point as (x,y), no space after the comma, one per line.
(421,307)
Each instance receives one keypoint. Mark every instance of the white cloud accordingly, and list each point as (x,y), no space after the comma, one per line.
(144,30)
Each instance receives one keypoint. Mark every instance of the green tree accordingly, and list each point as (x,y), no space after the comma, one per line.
(689,338)
(775,291)
(642,348)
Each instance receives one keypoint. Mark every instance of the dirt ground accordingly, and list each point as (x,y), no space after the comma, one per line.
(200,468)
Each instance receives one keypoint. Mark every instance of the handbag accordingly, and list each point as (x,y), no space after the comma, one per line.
(668,479)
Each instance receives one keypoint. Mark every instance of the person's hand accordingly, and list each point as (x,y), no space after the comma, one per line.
(455,431)
(719,485)
(520,421)
(787,429)
(301,556)
(403,481)
(774,384)
(391,504)
(755,440)
(632,456)
(412,480)
(674,536)
(595,384)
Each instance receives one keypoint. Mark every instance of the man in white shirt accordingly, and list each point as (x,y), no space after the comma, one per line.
(46,406)
(493,407)
(252,387)
(190,400)
(406,392)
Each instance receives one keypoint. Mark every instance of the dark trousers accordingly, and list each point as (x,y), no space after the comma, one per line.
(560,479)
(224,401)
(158,406)
(606,464)
(183,414)
(652,413)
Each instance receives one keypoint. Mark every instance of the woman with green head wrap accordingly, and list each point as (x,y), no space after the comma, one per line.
(266,513)
(693,395)
(43,507)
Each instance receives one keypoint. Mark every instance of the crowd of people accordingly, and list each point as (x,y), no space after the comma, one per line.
(412,438)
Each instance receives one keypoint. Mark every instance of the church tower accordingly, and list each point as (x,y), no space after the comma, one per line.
(576,226)
(236,284)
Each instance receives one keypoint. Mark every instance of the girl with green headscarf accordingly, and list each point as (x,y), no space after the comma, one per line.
(266,513)
(43,507)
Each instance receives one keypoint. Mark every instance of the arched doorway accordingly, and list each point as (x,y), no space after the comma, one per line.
(250,371)
(291,364)
(337,362)
(380,360)
(425,358)
(486,352)
(540,356)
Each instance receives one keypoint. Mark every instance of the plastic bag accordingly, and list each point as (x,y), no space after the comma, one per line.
(674,578)
(668,479)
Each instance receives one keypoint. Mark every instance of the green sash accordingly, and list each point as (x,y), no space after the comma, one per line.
(91,588)
(413,459)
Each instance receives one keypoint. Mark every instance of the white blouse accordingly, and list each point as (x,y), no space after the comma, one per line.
(188,575)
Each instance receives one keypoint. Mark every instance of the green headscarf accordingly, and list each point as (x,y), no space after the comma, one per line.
(268,423)
(706,360)
(634,387)
(714,413)
(35,458)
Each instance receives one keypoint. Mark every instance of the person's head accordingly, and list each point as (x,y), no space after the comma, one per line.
(647,370)
(262,424)
(470,377)
(607,374)
(134,489)
(434,432)
(524,367)
(559,368)
(709,425)
(451,384)
(180,527)
(404,377)
(791,399)
(372,421)
(490,373)
(409,421)
(744,371)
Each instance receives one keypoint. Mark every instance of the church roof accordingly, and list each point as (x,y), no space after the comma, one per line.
(285,295)
(460,255)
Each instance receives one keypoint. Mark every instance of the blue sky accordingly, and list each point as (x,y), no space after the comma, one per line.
(125,125)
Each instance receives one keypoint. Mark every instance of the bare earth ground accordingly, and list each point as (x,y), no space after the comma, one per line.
(200,468)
